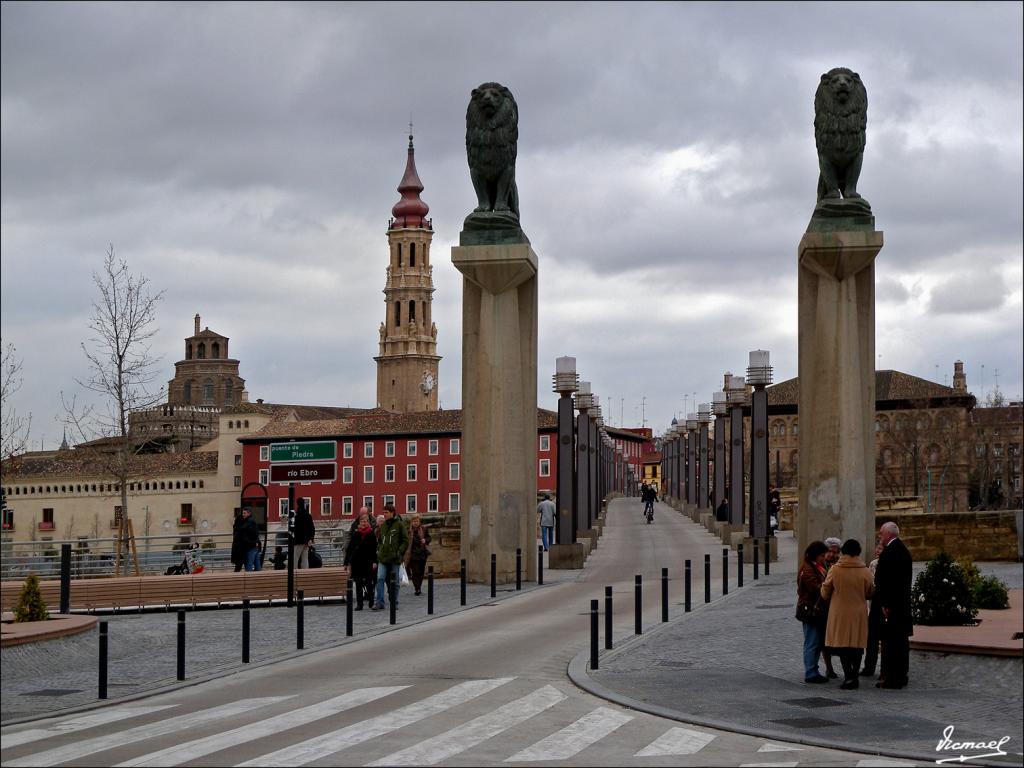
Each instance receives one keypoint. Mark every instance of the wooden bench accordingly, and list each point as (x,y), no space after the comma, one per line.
(130,592)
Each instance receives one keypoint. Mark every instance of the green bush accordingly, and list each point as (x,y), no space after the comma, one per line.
(990,593)
(30,605)
(940,596)
(970,571)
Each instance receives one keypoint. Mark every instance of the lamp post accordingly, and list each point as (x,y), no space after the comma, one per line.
(668,454)
(584,401)
(595,470)
(736,397)
(718,408)
(759,374)
(566,380)
(703,420)
(691,459)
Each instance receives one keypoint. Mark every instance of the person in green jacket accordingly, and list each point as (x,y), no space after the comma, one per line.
(392,541)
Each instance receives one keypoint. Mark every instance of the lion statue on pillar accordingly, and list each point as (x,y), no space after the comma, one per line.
(840,120)
(492,133)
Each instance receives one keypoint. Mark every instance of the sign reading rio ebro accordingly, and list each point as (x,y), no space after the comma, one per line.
(324,472)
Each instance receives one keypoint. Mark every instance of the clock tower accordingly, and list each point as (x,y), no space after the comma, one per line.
(407,363)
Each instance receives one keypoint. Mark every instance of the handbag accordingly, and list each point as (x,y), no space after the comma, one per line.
(314,558)
(805,613)
(403,577)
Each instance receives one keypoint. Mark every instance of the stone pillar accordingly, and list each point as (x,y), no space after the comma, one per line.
(499,407)
(837,385)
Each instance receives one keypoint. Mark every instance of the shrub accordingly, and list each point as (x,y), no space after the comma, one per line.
(30,605)
(940,595)
(990,593)
(970,571)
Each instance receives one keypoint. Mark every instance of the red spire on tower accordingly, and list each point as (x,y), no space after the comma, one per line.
(410,211)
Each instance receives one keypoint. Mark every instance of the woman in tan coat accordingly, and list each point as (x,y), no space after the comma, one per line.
(848,586)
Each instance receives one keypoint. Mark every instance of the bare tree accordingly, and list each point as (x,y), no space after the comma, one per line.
(14,428)
(121,365)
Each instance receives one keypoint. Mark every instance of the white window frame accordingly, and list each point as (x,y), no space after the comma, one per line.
(264,453)
(545,442)
(389,448)
(410,504)
(325,506)
(264,476)
(453,470)
(453,502)
(410,473)
(389,473)
(432,448)
(453,446)
(309,503)
(368,473)
(432,504)
(282,508)
(368,503)
(410,448)
(346,451)
(544,468)
(432,472)
(346,505)
(389,498)
(346,475)
(367,450)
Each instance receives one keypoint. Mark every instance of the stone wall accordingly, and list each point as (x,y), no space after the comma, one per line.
(978,535)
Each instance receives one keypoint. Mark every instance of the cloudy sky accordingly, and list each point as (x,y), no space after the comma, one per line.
(245,159)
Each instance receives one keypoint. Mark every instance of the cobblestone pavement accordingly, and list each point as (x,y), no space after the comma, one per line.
(45,677)
(737,664)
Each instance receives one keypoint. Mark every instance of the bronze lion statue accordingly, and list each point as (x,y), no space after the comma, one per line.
(840,119)
(492,133)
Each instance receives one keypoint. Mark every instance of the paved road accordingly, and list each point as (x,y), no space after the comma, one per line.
(477,687)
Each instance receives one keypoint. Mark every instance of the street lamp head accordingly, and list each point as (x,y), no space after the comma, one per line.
(584,400)
(566,380)
(759,372)
(691,421)
(736,391)
(718,403)
(704,413)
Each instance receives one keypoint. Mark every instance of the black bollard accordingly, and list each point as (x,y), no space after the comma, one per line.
(430,590)
(245,630)
(664,595)
(593,634)
(638,605)
(393,594)
(462,583)
(519,569)
(103,661)
(65,578)
(767,557)
(686,588)
(300,621)
(181,645)
(494,575)
(348,608)
(707,578)
(757,557)
(739,565)
(608,618)
(725,571)
(540,564)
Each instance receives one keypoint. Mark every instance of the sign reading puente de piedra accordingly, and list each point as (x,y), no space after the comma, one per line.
(303,462)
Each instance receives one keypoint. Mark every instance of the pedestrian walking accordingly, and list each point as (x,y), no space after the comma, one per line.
(361,559)
(417,553)
(547,511)
(808,599)
(392,541)
(893,581)
(245,542)
(302,535)
(847,587)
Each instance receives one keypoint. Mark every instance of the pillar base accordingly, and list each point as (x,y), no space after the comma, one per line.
(567,557)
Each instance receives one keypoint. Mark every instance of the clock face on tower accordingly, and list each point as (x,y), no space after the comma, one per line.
(427,384)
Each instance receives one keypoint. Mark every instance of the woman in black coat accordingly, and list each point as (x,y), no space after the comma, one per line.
(361,558)
(418,552)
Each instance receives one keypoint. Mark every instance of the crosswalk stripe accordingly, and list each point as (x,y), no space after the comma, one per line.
(81,749)
(441,747)
(79,723)
(574,738)
(769,765)
(881,762)
(335,741)
(182,753)
(769,747)
(677,741)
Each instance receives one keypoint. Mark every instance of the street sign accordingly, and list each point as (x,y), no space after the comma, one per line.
(315,451)
(303,473)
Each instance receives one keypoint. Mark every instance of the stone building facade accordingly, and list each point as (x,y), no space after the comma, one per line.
(996,458)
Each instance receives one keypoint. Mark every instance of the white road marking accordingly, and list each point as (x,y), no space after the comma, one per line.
(79,723)
(769,747)
(80,749)
(573,738)
(769,765)
(335,741)
(192,750)
(457,740)
(881,762)
(677,741)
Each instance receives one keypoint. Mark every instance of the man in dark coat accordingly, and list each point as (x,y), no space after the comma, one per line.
(302,535)
(892,592)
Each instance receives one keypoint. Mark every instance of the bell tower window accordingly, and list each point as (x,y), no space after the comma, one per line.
(201,351)
(216,351)
(398,314)
(412,311)
(412,254)
(399,255)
